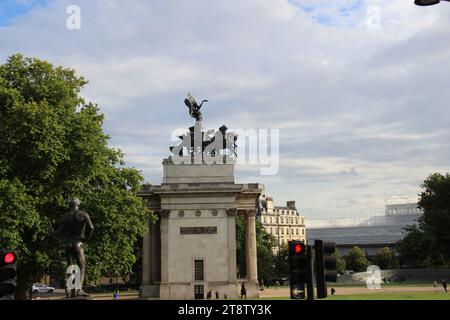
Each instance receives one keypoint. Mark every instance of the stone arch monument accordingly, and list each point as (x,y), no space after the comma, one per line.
(191,249)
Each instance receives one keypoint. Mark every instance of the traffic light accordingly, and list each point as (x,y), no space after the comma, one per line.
(325,266)
(8,271)
(297,269)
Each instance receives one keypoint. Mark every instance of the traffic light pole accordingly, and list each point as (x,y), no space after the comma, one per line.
(325,266)
(310,274)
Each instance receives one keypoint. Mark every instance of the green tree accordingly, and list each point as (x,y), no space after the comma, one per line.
(385,259)
(428,243)
(435,221)
(356,260)
(416,249)
(264,243)
(282,262)
(52,148)
(340,262)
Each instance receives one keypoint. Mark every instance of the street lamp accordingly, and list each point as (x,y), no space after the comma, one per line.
(427,2)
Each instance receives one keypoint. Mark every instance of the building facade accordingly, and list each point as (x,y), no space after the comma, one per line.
(371,234)
(284,223)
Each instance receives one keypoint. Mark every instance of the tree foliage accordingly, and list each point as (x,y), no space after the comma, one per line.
(385,259)
(282,263)
(416,249)
(340,262)
(264,243)
(428,244)
(356,260)
(52,148)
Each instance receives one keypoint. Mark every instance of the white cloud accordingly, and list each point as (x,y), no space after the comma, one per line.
(361,112)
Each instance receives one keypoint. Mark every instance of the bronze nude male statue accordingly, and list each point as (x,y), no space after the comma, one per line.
(76,227)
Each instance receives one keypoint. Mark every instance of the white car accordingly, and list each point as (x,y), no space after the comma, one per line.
(41,288)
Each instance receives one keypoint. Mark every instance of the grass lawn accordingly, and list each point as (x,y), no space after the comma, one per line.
(391,284)
(394,296)
(383,296)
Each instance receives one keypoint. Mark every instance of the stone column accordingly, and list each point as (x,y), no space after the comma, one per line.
(164,245)
(155,255)
(151,261)
(250,241)
(231,213)
(164,288)
(146,257)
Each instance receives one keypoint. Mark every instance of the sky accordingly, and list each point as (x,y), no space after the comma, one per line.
(357,89)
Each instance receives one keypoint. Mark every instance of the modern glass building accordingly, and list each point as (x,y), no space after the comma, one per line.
(371,234)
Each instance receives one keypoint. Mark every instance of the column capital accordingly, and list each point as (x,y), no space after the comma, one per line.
(231,212)
(251,213)
(164,213)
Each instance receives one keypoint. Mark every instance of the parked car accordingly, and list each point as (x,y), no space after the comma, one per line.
(41,288)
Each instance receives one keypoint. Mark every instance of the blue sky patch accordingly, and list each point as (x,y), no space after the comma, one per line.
(331,13)
(10,9)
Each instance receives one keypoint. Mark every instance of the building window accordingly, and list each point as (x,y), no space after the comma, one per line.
(296,231)
(199,270)
(303,231)
(270,219)
(282,230)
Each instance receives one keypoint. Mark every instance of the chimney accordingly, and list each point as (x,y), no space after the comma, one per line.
(291,205)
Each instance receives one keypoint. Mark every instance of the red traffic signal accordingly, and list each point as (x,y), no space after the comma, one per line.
(9,258)
(297,248)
